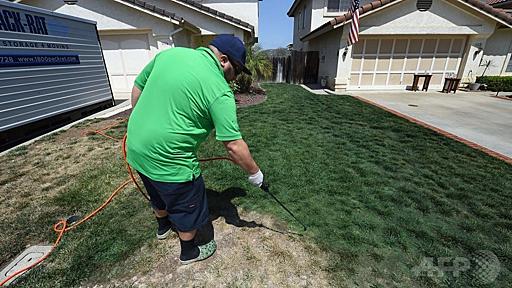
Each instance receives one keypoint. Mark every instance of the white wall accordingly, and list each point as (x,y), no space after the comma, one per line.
(328,46)
(245,10)
(319,16)
(208,25)
(498,49)
(344,63)
(115,16)
(119,16)
(444,17)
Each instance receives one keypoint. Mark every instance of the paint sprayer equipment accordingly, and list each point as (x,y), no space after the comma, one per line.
(65,225)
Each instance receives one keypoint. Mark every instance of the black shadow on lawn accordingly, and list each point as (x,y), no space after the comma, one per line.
(219,205)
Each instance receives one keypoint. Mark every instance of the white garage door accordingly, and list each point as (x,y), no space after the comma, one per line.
(391,63)
(125,57)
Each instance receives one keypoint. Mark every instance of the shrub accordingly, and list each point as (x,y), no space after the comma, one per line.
(259,65)
(496,83)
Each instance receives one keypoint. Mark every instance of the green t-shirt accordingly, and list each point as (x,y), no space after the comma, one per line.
(184,96)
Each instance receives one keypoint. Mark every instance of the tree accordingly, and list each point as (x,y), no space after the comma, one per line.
(259,65)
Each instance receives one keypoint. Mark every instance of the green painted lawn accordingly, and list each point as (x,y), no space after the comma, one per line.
(378,193)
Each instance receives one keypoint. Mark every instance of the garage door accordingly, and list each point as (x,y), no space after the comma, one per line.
(125,57)
(391,63)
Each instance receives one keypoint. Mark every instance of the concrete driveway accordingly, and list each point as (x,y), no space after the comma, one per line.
(476,117)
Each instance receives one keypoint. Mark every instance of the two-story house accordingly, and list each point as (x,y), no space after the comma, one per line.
(398,38)
(133,31)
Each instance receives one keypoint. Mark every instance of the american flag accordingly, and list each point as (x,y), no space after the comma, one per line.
(353,36)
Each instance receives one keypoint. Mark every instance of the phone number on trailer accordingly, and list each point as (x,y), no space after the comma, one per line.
(37,60)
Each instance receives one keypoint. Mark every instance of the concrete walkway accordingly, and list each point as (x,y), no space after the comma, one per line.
(474,116)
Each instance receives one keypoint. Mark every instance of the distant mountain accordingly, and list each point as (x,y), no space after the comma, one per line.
(278,52)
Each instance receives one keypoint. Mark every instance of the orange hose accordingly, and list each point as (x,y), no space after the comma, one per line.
(100,131)
(61,227)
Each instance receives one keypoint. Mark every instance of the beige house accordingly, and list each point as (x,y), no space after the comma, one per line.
(133,31)
(399,38)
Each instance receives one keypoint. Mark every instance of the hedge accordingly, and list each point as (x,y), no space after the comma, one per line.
(496,83)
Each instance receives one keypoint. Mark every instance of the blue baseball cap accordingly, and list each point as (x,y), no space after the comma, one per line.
(233,48)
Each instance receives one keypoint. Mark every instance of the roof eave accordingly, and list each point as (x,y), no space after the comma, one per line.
(292,9)
(164,15)
(475,5)
(235,21)
(317,32)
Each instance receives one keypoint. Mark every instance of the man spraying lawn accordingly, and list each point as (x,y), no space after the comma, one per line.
(178,99)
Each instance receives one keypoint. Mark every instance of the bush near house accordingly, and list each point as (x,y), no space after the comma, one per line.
(496,83)
(259,65)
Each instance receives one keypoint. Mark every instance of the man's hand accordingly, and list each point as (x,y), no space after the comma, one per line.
(256,179)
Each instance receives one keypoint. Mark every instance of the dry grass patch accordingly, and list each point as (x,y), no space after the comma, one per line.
(246,257)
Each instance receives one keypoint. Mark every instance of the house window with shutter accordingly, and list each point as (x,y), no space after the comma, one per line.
(423,5)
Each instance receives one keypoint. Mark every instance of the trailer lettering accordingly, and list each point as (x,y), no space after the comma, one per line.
(41,23)
(3,25)
(13,22)
(17,22)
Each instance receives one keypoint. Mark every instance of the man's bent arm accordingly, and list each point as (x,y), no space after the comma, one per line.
(135,95)
(240,154)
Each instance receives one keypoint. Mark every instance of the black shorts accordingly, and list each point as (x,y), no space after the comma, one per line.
(185,202)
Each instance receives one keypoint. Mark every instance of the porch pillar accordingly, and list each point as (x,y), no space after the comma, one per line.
(342,80)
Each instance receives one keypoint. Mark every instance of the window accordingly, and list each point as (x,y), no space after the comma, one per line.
(300,19)
(304,18)
(338,5)
(509,66)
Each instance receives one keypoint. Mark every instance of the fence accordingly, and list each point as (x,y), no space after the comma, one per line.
(298,68)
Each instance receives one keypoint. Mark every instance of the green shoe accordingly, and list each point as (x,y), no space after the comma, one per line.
(205,251)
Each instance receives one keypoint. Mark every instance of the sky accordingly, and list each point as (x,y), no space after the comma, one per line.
(276,28)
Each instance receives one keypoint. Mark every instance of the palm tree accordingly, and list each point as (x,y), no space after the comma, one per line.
(259,65)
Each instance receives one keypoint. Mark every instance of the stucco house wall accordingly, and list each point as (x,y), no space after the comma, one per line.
(498,49)
(247,10)
(206,23)
(120,17)
(444,17)
(328,47)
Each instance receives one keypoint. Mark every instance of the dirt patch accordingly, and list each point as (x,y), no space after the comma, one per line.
(246,257)
(248,99)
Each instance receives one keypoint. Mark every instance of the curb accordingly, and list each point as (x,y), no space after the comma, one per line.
(439,131)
